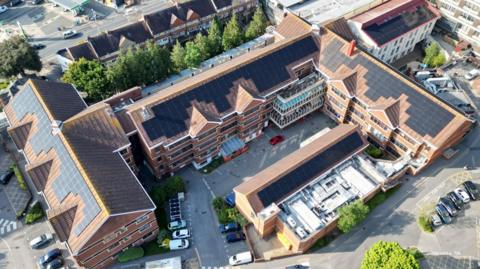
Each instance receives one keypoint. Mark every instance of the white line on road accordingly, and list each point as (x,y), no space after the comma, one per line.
(208,187)
(15,225)
(1,221)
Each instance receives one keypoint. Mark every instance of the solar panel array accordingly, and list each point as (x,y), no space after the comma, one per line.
(309,170)
(383,33)
(171,117)
(69,179)
(425,116)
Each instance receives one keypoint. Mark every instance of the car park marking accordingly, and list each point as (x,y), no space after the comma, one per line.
(7,226)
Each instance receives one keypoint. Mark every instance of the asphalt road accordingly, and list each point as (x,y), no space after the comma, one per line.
(41,22)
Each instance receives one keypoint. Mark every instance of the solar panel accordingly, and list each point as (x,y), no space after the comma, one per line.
(69,179)
(309,170)
(425,116)
(265,72)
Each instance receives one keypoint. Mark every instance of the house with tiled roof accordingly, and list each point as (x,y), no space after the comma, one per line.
(391,30)
(180,21)
(76,159)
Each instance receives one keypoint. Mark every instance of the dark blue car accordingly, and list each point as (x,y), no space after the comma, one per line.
(234,237)
(230,199)
(49,256)
(229,227)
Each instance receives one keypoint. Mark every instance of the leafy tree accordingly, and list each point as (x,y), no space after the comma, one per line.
(160,59)
(215,37)
(232,35)
(257,25)
(123,73)
(89,76)
(201,42)
(17,56)
(388,255)
(438,60)
(351,215)
(193,56)
(430,53)
(178,56)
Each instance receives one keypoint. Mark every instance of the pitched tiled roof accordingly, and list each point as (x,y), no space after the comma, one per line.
(389,112)
(83,50)
(61,99)
(292,26)
(420,114)
(219,4)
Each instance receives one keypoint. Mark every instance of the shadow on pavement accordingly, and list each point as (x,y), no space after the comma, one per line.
(447,262)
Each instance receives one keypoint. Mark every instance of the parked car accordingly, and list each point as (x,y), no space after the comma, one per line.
(229,227)
(291,222)
(457,201)
(276,139)
(234,237)
(176,244)
(462,194)
(41,240)
(55,264)
(443,214)
(5,177)
(436,221)
(3,9)
(38,46)
(178,224)
(49,256)
(240,258)
(297,266)
(230,199)
(472,74)
(471,189)
(36,2)
(180,234)
(15,2)
(449,206)
(69,34)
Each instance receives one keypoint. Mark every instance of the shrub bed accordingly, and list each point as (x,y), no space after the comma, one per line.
(425,223)
(131,254)
(226,214)
(374,151)
(34,213)
(380,197)
(212,165)
(19,176)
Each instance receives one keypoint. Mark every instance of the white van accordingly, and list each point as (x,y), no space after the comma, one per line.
(241,258)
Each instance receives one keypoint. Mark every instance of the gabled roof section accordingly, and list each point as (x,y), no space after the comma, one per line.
(83,50)
(341,27)
(199,121)
(299,168)
(246,98)
(192,15)
(292,26)
(39,173)
(389,112)
(20,133)
(347,83)
(60,99)
(175,21)
(62,219)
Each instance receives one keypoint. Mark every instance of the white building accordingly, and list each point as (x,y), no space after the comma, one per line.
(391,30)
(461,17)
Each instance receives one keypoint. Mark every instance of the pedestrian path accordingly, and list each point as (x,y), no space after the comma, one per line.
(7,226)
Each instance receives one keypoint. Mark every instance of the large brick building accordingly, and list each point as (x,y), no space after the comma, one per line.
(182,21)
(76,160)
(216,112)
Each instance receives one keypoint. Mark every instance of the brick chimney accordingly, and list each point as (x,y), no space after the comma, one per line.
(351,48)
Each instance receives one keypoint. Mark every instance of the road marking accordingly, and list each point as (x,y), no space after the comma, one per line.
(1,221)
(8,228)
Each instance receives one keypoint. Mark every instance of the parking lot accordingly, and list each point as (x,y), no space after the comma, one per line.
(209,244)
(465,225)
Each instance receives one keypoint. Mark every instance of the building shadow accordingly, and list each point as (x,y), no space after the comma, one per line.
(432,261)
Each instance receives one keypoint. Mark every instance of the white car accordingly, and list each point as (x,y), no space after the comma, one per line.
(3,9)
(180,234)
(240,258)
(41,240)
(68,34)
(178,224)
(472,74)
(462,194)
(291,222)
(176,244)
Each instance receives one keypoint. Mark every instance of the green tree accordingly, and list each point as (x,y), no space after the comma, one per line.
(123,73)
(193,56)
(215,37)
(89,76)
(438,60)
(232,35)
(160,60)
(388,255)
(430,53)
(201,42)
(257,25)
(178,56)
(352,214)
(17,56)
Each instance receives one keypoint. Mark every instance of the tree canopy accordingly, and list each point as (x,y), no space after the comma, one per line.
(434,57)
(88,76)
(18,56)
(257,25)
(388,255)
(232,34)
(193,56)
(215,37)
(203,45)
(178,56)
(352,214)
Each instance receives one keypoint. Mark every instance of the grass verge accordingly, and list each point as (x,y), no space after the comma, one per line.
(34,213)
(19,176)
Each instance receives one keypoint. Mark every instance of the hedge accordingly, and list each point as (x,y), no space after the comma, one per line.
(131,254)
(425,223)
(374,151)
(19,176)
(34,213)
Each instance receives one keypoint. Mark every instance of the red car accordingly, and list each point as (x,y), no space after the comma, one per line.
(276,139)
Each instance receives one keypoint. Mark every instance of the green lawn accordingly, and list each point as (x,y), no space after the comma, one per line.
(380,197)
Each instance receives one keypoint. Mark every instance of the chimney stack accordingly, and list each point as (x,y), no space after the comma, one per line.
(351,48)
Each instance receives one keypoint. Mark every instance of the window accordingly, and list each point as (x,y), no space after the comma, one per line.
(109,238)
(398,144)
(471,6)
(467,17)
(114,245)
(141,219)
(379,123)
(209,132)
(228,126)
(123,151)
(337,92)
